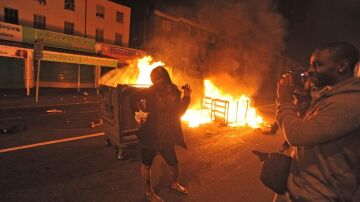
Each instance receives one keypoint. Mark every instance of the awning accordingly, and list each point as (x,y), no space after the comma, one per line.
(67,56)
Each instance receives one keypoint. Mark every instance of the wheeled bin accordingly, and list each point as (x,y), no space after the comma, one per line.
(118,118)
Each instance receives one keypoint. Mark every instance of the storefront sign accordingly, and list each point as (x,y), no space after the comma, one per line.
(10,32)
(60,40)
(120,53)
(78,59)
(9,51)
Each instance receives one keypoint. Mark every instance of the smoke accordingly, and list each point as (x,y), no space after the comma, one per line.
(249,34)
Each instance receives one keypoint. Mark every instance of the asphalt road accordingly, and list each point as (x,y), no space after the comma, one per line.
(218,165)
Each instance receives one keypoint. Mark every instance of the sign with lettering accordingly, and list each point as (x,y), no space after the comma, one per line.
(60,40)
(78,59)
(10,51)
(120,53)
(10,32)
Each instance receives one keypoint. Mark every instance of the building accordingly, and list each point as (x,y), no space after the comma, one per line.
(102,20)
(180,42)
(81,40)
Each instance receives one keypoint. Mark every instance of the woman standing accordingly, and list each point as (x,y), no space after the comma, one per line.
(158,109)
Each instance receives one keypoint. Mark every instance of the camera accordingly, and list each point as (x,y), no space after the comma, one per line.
(299,76)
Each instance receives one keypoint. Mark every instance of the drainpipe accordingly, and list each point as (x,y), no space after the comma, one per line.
(85,17)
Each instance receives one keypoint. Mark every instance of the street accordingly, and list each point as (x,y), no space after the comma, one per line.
(217,166)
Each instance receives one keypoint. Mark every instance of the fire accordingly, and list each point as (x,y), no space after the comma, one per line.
(234,111)
(145,67)
(137,72)
(217,105)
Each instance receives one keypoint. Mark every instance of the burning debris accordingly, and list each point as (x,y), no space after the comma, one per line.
(216,105)
(136,73)
(233,111)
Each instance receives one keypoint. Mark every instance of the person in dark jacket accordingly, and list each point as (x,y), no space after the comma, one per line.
(326,152)
(301,99)
(158,110)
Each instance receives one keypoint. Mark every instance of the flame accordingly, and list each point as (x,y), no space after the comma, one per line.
(145,67)
(235,111)
(137,72)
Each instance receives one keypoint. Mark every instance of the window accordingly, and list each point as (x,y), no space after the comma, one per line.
(99,36)
(69,5)
(118,39)
(194,32)
(41,2)
(166,25)
(100,11)
(39,22)
(119,17)
(204,35)
(11,16)
(69,28)
(185,28)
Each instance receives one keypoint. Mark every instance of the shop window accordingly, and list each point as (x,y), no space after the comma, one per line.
(100,11)
(119,17)
(11,16)
(69,28)
(99,35)
(118,39)
(39,22)
(69,5)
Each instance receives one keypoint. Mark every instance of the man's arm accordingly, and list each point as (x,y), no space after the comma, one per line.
(330,122)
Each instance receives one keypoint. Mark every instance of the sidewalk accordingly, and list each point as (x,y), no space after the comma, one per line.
(17,98)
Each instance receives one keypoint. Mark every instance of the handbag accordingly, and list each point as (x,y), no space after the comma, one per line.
(275,170)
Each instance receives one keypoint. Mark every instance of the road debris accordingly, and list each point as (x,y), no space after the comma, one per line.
(93,124)
(54,111)
(12,129)
(209,133)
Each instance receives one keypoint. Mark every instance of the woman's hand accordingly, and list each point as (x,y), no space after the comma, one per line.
(187,89)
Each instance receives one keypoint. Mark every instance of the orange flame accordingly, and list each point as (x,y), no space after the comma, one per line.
(137,72)
(235,111)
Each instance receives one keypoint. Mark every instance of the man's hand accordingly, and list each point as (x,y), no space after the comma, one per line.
(187,90)
(285,89)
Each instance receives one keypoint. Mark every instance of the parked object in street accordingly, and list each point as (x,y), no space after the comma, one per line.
(118,119)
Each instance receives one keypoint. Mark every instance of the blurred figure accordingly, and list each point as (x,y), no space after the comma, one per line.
(159,109)
(326,151)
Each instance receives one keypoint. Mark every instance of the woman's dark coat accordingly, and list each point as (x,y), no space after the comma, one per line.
(147,132)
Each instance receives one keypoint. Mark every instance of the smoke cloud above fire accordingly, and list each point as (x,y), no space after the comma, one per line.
(248,34)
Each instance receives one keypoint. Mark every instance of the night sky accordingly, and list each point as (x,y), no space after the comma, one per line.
(314,22)
(310,23)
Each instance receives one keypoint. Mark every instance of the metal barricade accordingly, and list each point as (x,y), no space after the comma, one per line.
(220,110)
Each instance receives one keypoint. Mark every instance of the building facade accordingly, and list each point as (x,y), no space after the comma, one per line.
(181,42)
(102,20)
(81,40)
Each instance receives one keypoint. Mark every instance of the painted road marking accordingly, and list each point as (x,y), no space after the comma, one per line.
(50,142)
(10,118)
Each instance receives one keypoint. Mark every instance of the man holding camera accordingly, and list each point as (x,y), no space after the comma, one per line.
(326,141)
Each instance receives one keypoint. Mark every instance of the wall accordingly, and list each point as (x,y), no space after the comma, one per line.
(56,15)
